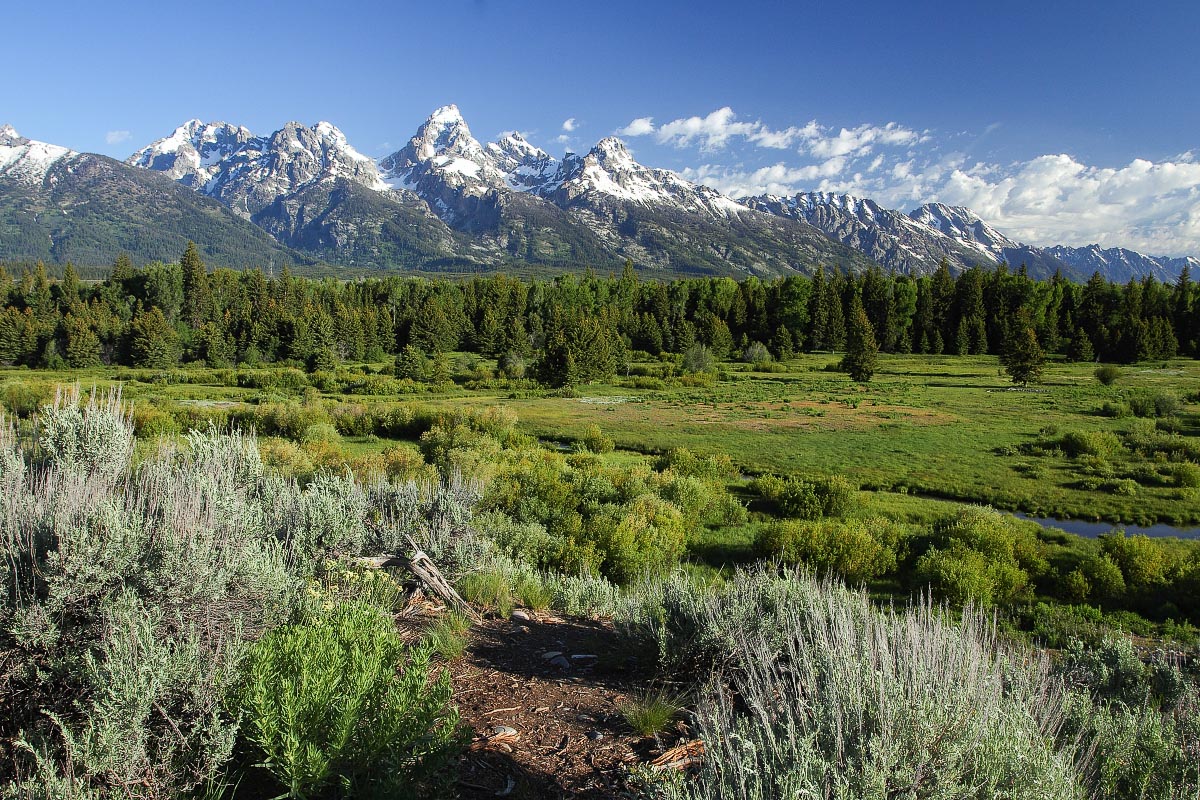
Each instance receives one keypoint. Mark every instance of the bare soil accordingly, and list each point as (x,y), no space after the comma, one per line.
(542,699)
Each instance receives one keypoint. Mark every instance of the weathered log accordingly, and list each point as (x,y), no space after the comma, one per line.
(424,570)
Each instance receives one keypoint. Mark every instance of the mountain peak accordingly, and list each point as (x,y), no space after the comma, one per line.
(446,115)
(612,146)
(26,160)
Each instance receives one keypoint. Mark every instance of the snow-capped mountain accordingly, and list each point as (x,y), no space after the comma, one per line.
(526,168)
(26,161)
(517,199)
(248,172)
(57,205)
(964,226)
(1119,264)
(1116,264)
(447,200)
(609,173)
(194,152)
(890,238)
(306,186)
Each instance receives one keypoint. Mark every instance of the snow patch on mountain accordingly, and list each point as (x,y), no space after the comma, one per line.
(26,160)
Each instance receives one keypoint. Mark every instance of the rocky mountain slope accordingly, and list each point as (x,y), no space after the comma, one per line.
(448,201)
(916,242)
(57,205)
(447,196)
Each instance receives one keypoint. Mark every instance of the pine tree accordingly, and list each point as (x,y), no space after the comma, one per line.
(122,269)
(82,344)
(862,351)
(412,364)
(68,288)
(196,299)
(152,341)
(1023,358)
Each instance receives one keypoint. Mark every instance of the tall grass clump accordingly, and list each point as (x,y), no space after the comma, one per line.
(835,699)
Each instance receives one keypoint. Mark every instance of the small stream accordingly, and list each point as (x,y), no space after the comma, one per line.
(1091,530)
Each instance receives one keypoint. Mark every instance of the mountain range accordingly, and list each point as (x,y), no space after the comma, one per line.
(446,201)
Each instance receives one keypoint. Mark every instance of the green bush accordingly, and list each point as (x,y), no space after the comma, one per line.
(341,702)
(797,498)
(24,397)
(644,537)
(855,550)
(980,554)
(1156,405)
(1108,374)
(1091,443)
(595,441)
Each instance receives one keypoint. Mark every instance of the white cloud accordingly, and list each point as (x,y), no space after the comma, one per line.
(116,137)
(1055,199)
(642,126)
(569,125)
(778,179)
(711,132)
(859,141)
(1149,206)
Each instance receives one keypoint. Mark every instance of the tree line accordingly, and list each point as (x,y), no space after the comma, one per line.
(573,328)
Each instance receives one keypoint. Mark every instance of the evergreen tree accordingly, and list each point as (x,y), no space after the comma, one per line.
(122,269)
(153,342)
(82,345)
(862,351)
(1023,358)
(68,288)
(196,297)
(412,364)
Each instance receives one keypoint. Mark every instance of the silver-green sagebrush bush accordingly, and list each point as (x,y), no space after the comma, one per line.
(827,697)
(128,594)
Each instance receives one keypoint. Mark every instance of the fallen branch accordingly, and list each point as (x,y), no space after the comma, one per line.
(423,568)
(685,755)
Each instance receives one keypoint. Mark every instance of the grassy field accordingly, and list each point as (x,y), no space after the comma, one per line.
(947,427)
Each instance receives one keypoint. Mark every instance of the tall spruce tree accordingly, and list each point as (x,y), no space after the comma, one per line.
(196,298)
(1023,358)
(862,351)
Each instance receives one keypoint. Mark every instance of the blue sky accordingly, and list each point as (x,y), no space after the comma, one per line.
(1057,121)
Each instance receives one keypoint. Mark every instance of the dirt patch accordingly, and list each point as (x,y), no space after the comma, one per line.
(541,698)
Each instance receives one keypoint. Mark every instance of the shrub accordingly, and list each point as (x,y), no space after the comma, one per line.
(1108,374)
(697,359)
(855,550)
(595,441)
(95,438)
(825,691)
(756,353)
(1114,409)
(365,716)
(1157,405)
(644,537)
(143,689)
(980,554)
(797,498)
(1092,443)
(1186,474)
(23,397)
